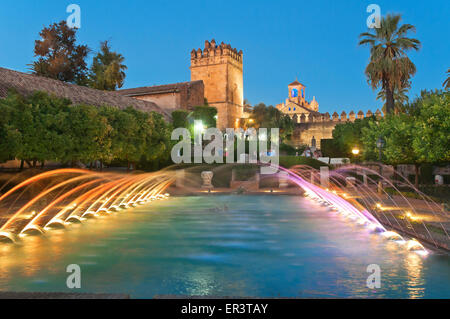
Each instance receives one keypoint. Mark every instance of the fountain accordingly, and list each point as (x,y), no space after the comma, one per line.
(92,219)
(73,195)
(70,196)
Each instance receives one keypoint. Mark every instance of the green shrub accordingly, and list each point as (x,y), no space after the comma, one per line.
(289,161)
(179,118)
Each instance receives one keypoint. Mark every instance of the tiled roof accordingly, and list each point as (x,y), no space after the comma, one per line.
(26,84)
(296,83)
(166,88)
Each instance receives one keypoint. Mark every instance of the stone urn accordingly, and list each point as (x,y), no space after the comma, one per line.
(207,178)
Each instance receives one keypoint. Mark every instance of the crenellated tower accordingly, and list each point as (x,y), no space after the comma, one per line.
(220,69)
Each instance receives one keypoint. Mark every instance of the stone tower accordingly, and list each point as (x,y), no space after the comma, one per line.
(220,69)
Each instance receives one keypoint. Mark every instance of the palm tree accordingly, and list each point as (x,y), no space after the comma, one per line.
(107,70)
(389,66)
(446,84)
(400,98)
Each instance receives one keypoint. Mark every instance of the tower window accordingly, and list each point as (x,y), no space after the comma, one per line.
(289,109)
(294,108)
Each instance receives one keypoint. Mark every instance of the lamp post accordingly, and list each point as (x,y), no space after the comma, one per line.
(355,152)
(380,145)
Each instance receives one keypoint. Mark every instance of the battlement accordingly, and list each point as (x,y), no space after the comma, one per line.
(212,50)
(325,117)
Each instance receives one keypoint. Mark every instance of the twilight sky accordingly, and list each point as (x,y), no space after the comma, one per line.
(315,41)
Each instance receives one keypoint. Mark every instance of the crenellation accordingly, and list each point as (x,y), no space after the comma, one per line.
(335,117)
(360,115)
(351,116)
(213,50)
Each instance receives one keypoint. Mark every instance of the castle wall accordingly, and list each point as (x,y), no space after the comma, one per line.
(321,126)
(304,132)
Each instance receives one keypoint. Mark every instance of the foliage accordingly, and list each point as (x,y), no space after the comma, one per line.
(107,71)
(59,57)
(10,137)
(289,161)
(86,135)
(389,66)
(180,118)
(330,148)
(207,114)
(43,127)
(431,140)
(400,99)
(263,116)
(288,149)
(446,83)
(398,132)
(346,136)
(420,136)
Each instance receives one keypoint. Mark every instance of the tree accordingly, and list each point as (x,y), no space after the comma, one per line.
(107,71)
(348,135)
(446,84)
(431,139)
(58,55)
(398,133)
(180,118)
(86,134)
(400,99)
(134,127)
(389,66)
(46,138)
(263,116)
(158,138)
(10,137)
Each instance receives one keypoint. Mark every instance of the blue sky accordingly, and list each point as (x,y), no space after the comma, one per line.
(315,41)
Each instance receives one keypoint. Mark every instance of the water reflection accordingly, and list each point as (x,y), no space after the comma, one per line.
(415,282)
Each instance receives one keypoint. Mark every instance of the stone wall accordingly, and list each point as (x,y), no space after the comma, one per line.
(220,69)
(168,101)
(321,126)
(184,95)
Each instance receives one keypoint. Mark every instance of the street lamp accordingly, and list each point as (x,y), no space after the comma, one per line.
(198,126)
(355,151)
(380,145)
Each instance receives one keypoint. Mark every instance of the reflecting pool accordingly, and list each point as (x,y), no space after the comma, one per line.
(268,246)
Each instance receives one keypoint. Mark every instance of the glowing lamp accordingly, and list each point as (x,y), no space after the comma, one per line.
(199,126)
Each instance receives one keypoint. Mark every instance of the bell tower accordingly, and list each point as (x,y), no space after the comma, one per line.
(220,68)
(297,92)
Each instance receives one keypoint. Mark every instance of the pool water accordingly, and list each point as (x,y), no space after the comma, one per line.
(259,246)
